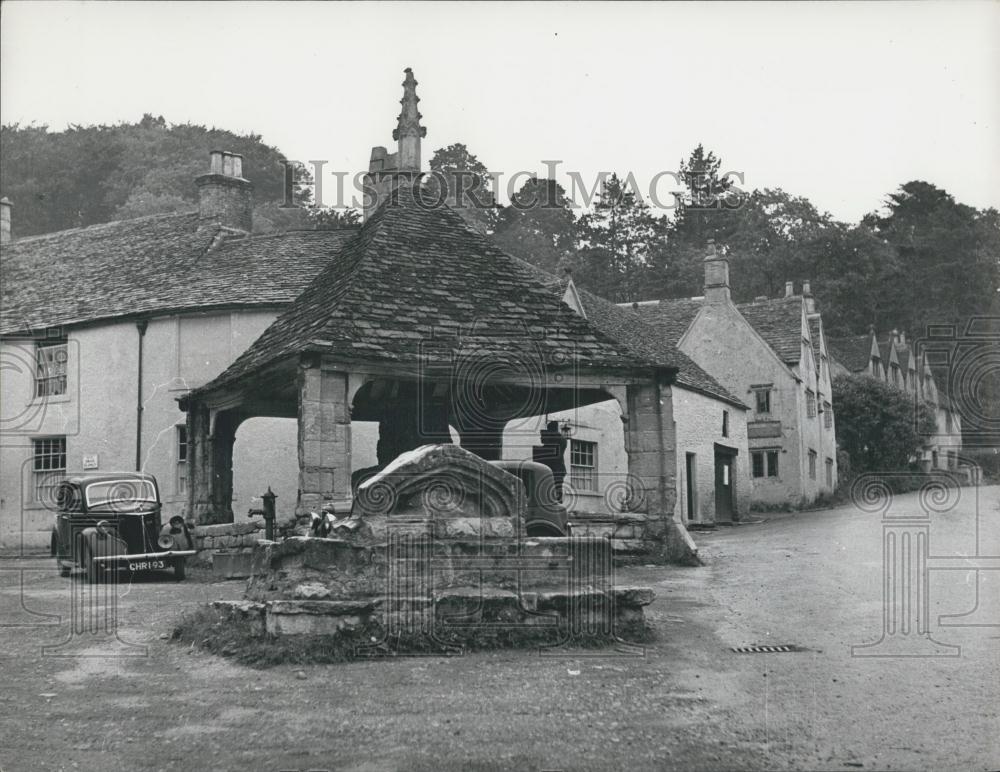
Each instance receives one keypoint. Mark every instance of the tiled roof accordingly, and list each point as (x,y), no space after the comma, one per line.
(779,322)
(631,327)
(622,323)
(852,352)
(671,317)
(153,265)
(416,286)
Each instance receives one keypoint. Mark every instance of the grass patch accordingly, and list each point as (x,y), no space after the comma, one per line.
(244,640)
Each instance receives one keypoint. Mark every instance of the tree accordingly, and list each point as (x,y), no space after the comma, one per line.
(708,199)
(618,237)
(946,256)
(461,179)
(538,226)
(91,174)
(879,427)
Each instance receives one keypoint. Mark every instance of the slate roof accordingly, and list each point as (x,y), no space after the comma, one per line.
(671,317)
(154,264)
(417,286)
(853,352)
(779,322)
(622,322)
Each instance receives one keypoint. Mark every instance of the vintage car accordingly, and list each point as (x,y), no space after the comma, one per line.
(111,521)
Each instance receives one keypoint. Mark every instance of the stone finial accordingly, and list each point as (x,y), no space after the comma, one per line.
(408,131)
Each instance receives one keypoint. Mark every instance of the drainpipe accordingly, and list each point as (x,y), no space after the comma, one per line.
(141,327)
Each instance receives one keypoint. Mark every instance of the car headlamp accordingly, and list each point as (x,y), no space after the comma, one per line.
(166,541)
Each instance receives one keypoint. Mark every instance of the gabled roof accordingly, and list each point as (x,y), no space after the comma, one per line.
(417,286)
(779,322)
(853,352)
(672,318)
(625,323)
(154,264)
(629,326)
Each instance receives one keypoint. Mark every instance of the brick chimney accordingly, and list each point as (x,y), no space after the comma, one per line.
(716,276)
(224,197)
(5,210)
(385,169)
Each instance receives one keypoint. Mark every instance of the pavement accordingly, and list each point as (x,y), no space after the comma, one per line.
(78,697)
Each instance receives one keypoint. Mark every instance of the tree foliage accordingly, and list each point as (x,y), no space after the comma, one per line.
(880,428)
(92,174)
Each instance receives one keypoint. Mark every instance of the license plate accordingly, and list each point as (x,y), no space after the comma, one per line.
(146,565)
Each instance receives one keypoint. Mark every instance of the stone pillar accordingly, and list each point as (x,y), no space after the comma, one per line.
(651,445)
(324,438)
(210,465)
(650,442)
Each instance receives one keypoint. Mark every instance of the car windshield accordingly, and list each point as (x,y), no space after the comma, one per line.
(121,494)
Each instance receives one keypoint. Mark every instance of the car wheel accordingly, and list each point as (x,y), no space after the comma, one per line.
(180,569)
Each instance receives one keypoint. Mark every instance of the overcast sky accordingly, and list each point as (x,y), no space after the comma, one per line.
(840,103)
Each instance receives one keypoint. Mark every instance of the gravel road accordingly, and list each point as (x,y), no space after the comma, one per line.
(685,702)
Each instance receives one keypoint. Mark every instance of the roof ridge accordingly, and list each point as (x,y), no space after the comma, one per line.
(97,226)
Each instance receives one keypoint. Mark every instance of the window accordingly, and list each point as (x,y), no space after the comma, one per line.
(725,423)
(810,403)
(824,366)
(765,463)
(876,370)
(182,457)
(894,371)
(583,465)
(763,400)
(827,415)
(829,473)
(48,467)
(812,464)
(50,368)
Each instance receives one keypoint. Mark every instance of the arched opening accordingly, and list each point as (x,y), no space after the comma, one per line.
(265,454)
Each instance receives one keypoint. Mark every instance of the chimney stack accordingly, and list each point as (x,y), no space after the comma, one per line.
(224,197)
(5,209)
(716,276)
(385,169)
(789,289)
(902,337)
(809,299)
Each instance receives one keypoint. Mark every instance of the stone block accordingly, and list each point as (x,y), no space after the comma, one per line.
(316,617)
(231,565)
(633,596)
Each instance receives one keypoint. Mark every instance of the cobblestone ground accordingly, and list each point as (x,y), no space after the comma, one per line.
(688,702)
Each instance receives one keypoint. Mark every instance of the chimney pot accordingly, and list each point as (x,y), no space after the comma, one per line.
(902,337)
(5,210)
(789,289)
(215,162)
(805,287)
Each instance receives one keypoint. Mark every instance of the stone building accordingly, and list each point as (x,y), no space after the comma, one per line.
(771,353)
(913,371)
(103,327)
(713,463)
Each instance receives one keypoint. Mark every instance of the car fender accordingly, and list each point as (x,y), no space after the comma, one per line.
(102,545)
